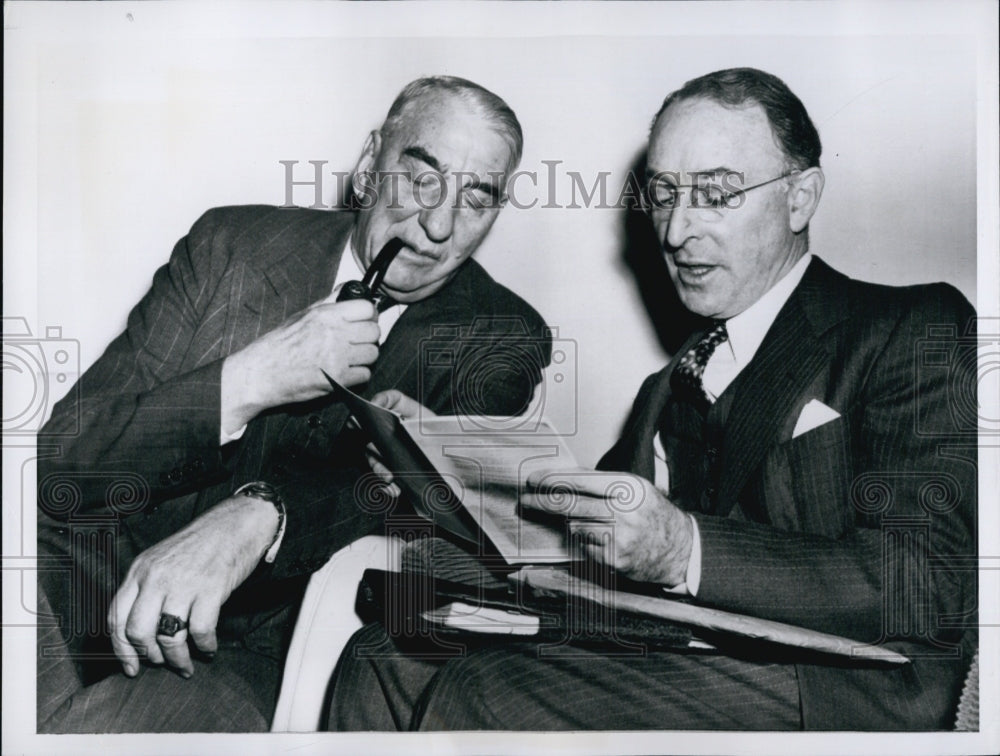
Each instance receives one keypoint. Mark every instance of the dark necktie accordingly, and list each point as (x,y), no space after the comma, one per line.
(383,302)
(687,375)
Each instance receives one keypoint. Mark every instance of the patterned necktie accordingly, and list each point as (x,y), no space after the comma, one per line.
(689,370)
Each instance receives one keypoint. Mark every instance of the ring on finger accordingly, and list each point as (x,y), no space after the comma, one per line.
(170,624)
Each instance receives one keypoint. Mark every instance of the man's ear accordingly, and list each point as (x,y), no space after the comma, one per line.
(803,199)
(366,160)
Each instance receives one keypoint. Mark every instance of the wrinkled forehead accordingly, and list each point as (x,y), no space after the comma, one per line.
(701,135)
(456,134)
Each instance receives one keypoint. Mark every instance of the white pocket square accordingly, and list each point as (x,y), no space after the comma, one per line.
(813,415)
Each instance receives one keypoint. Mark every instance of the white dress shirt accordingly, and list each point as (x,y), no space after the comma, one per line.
(746,331)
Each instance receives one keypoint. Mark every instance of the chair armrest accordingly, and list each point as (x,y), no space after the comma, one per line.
(326,622)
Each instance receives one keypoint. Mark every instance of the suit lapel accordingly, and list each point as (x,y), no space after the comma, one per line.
(291,271)
(294,266)
(792,353)
(640,448)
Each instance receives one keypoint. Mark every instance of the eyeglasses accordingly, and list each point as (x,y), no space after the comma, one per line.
(660,195)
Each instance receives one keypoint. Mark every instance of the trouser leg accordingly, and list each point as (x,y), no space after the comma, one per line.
(375,687)
(221,696)
(72,647)
(521,686)
(81,687)
(57,677)
(514,687)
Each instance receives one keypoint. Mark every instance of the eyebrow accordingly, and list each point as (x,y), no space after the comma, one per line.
(492,189)
(718,170)
(419,153)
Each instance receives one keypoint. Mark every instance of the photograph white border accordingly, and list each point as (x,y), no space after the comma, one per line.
(27,25)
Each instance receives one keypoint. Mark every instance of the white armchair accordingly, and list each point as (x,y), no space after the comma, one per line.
(326,622)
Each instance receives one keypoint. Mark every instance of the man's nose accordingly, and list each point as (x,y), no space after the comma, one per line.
(680,223)
(438,222)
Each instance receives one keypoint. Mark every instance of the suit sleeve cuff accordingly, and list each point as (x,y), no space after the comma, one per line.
(692,579)
(226,438)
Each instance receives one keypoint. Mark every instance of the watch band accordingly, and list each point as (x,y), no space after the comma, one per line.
(261,490)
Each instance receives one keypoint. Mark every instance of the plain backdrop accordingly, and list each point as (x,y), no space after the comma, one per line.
(124,122)
(139,134)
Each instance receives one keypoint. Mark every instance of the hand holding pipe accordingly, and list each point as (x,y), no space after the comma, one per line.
(368,285)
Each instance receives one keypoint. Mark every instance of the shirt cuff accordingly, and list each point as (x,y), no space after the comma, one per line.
(265,492)
(692,579)
(272,552)
(226,438)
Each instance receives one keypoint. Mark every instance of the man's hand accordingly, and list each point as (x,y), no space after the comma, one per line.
(623,520)
(405,407)
(190,575)
(285,365)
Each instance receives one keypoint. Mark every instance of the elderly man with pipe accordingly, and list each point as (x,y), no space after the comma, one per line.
(212,411)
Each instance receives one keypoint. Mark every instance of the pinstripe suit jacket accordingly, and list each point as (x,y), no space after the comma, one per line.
(863,526)
(147,454)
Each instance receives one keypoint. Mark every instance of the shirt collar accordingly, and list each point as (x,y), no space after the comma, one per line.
(746,331)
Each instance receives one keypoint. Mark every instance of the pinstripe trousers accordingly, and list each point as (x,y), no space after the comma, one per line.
(233,692)
(517,686)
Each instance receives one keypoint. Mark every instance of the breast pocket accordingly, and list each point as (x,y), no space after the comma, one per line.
(813,473)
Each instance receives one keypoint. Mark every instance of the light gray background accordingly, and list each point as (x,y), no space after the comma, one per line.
(138,135)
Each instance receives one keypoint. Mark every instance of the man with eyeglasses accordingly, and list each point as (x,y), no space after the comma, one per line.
(213,406)
(796,460)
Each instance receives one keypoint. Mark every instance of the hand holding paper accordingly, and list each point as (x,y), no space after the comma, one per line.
(400,404)
(405,407)
(620,520)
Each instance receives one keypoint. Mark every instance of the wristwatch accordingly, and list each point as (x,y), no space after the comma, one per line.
(260,490)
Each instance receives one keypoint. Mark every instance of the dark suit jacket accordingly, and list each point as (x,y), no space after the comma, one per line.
(863,526)
(147,456)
